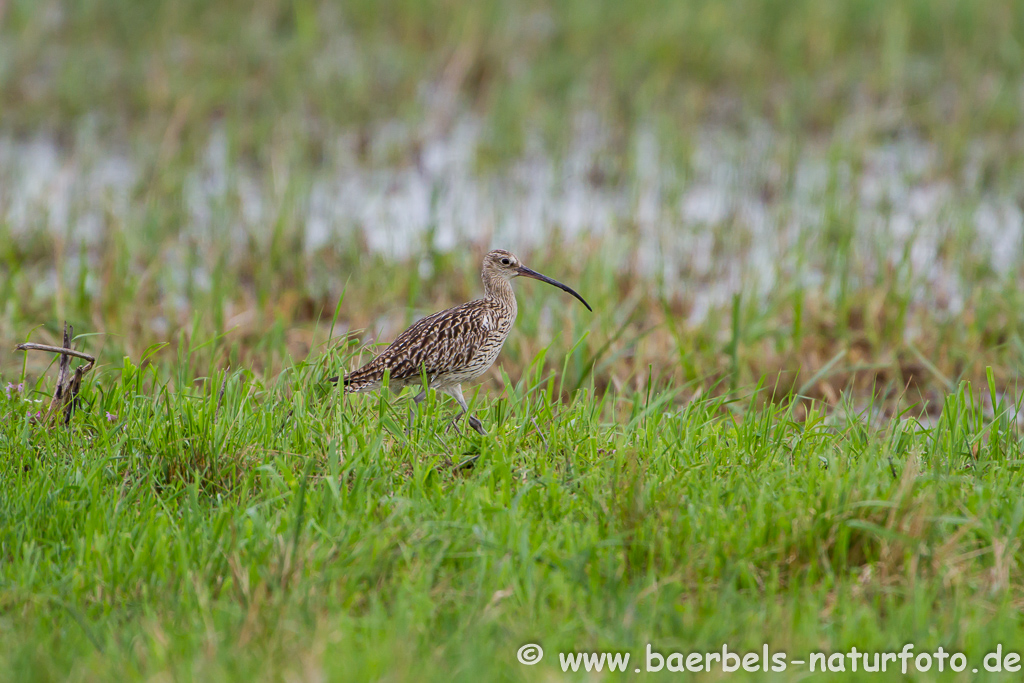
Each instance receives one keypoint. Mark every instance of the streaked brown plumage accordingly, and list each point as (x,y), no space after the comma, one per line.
(455,345)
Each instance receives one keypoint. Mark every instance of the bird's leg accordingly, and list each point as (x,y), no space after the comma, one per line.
(456,393)
(455,420)
(412,410)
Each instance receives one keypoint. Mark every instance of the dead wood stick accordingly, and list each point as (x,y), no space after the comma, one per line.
(32,346)
(66,393)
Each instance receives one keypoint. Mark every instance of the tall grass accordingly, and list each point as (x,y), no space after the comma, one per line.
(300,68)
(828,460)
(243,529)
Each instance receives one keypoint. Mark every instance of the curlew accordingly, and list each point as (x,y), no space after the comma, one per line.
(455,345)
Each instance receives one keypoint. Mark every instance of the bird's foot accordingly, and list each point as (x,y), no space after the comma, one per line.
(468,463)
(477,425)
(453,423)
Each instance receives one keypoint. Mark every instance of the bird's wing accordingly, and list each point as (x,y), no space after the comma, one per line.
(438,343)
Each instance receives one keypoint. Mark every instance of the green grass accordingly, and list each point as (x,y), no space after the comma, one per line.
(831,462)
(299,69)
(849,335)
(272,531)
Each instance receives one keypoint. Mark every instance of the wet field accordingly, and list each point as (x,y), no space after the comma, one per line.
(791,422)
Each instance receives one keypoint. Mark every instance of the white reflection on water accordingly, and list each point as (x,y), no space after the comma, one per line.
(748,212)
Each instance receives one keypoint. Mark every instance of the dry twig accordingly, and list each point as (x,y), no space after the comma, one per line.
(68,384)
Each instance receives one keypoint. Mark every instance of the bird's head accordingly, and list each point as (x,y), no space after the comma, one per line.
(501,263)
(506,265)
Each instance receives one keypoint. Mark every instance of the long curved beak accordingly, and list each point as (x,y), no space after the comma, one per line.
(526,272)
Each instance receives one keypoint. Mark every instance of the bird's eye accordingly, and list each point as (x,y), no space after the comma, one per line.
(505,262)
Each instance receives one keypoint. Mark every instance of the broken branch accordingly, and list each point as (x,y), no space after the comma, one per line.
(68,385)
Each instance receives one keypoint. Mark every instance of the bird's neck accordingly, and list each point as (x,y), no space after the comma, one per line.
(500,291)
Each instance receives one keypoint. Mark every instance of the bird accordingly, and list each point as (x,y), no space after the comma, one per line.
(455,345)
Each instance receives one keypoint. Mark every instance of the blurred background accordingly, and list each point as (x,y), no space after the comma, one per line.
(826,196)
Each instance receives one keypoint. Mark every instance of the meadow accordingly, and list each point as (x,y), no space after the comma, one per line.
(792,420)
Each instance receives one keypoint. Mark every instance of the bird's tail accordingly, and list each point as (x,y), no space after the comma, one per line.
(345,380)
(353,382)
